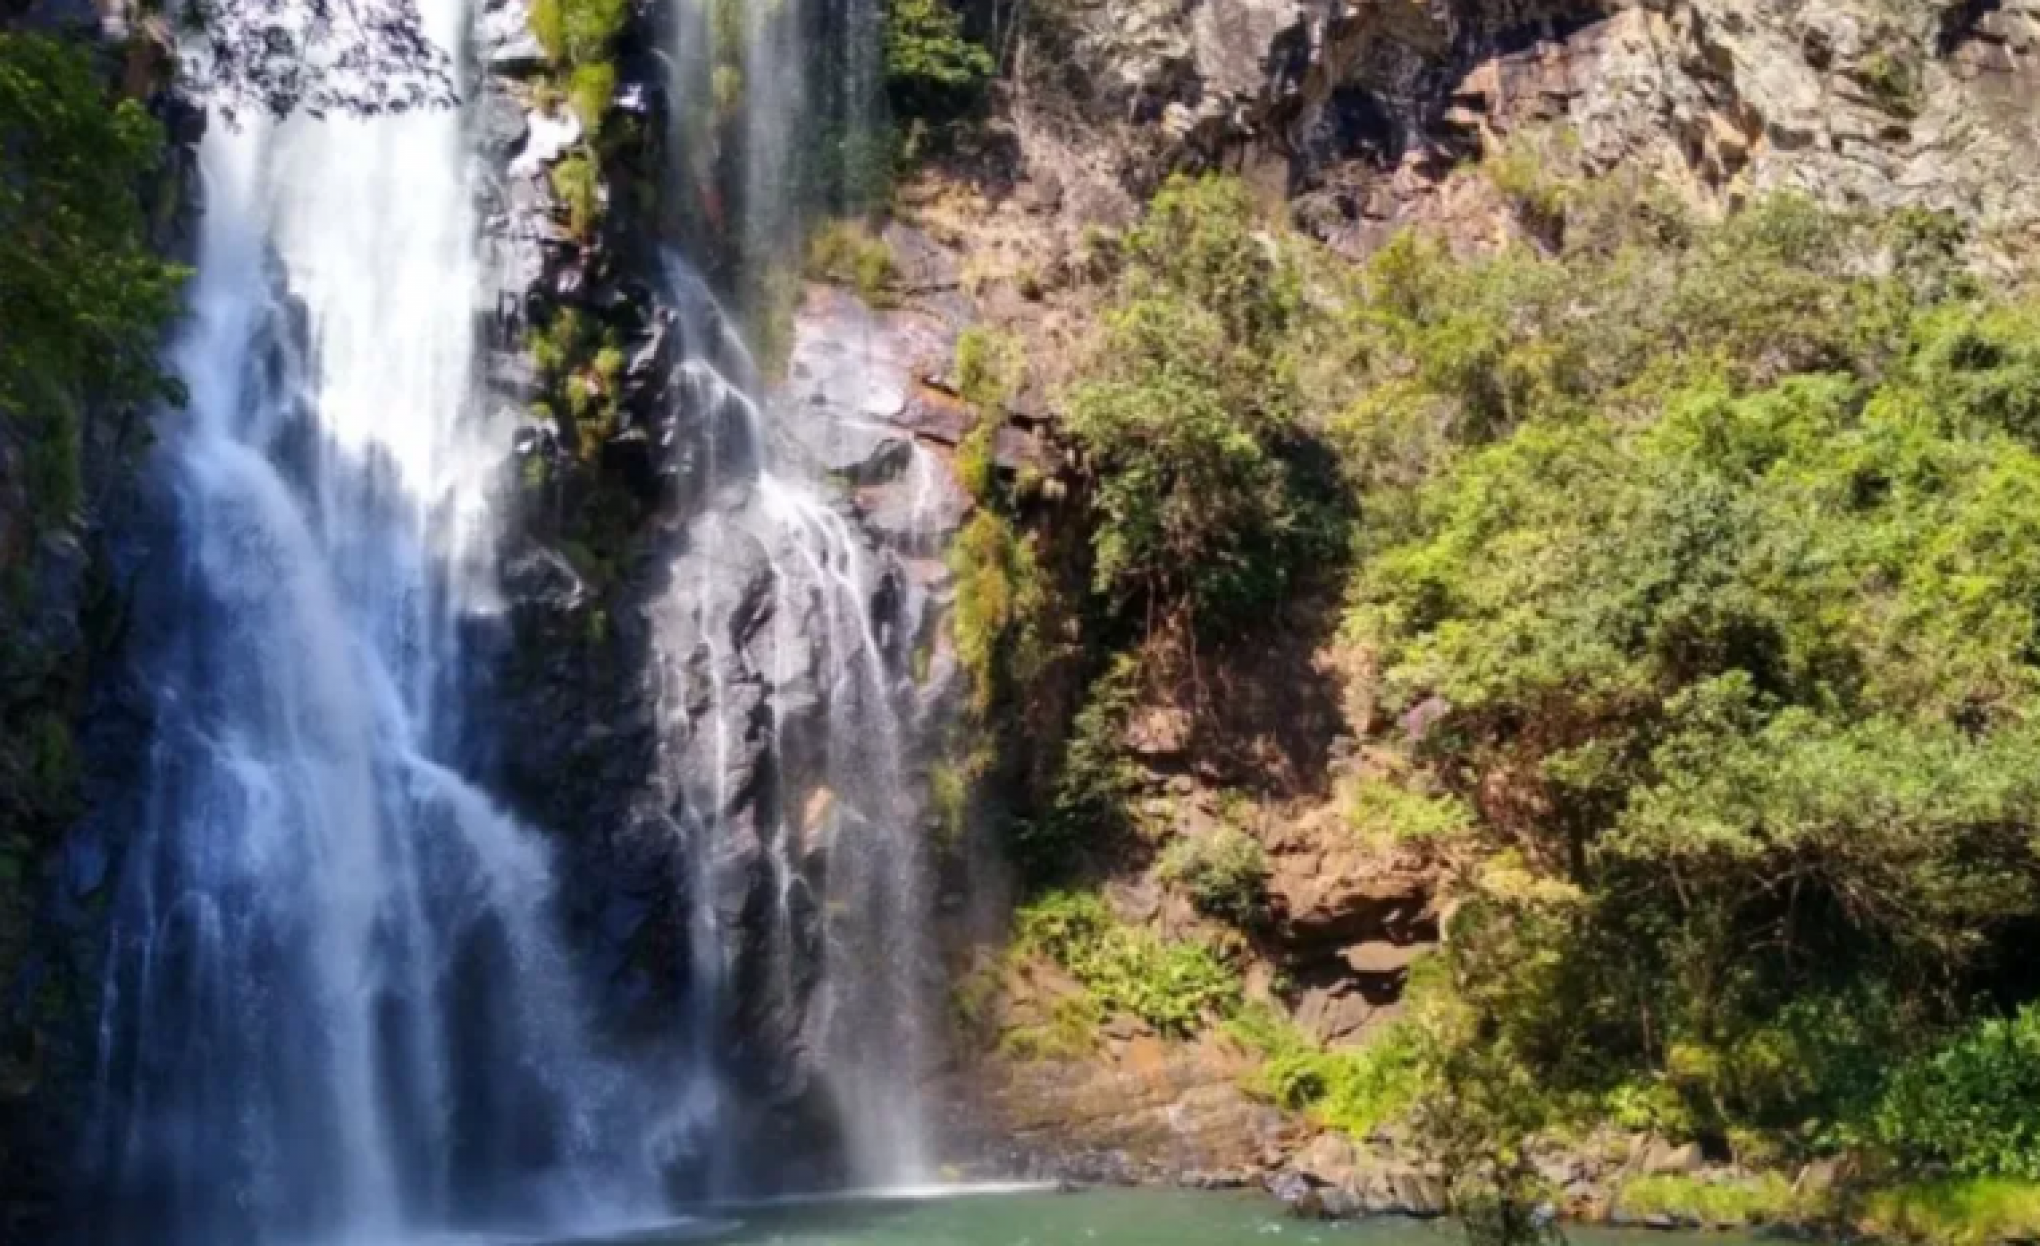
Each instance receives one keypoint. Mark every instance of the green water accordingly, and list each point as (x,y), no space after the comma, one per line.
(1091,1218)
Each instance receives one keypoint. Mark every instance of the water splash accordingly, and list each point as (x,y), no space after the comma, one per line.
(335,1009)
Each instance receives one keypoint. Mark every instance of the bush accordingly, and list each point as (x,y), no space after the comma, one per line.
(1974,1104)
(1205,505)
(1706,560)
(998,586)
(577,183)
(1961,1212)
(931,69)
(578,32)
(1353,1089)
(848,253)
(82,296)
(1383,811)
(591,89)
(990,367)
(1225,872)
(1177,988)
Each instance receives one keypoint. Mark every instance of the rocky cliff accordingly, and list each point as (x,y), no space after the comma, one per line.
(1356,120)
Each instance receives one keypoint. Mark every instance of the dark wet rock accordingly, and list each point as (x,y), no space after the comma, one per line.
(500,125)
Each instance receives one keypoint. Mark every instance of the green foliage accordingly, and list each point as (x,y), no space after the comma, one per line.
(591,88)
(1763,1198)
(849,253)
(1892,77)
(931,69)
(1095,784)
(577,182)
(1225,872)
(1070,1033)
(1188,416)
(1352,1089)
(1176,988)
(578,32)
(1974,1104)
(82,297)
(998,584)
(1380,810)
(949,799)
(1704,555)
(1971,1211)
(990,366)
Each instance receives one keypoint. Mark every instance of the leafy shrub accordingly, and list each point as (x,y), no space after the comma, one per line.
(1893,80)
(577,183)
(1176,988)
(1203,499)
(578,32)
(989,371)
(990,366)
(848,253)
(997,586)
(931,69)
(1704,554)
(82,297)
(1225,872)
(1070,1033)
(1385,811)
(1352,1089)
(1974,1104)
(1969,1211)
(1095,782)
(591,89)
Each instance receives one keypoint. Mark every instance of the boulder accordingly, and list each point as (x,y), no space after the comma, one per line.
(1662,1158)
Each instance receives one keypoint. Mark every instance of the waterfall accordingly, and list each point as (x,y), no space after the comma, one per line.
(785,665)
(335,1007)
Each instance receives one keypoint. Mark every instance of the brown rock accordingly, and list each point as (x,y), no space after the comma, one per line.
(1329,1159)
(1661,1158)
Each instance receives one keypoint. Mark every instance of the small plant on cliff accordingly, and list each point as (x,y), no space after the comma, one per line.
(1382,811)
(1090,807)
(990,368)
(578,184)
(1225,872)
(997,587)
(1352,1088)
(1175,987)
(591,88)
(578,32)
(848,253)
(1893,80)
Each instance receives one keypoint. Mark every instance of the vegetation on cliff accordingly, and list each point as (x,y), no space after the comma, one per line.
(1689,569)
(83,299)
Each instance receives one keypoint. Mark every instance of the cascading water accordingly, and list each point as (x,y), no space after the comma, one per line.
(787,694)
(788,748)
(335,1008)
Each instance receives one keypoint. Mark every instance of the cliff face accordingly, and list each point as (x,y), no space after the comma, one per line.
(724,651)
(70,731)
